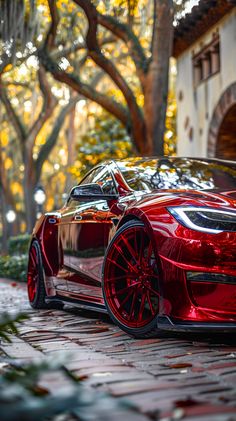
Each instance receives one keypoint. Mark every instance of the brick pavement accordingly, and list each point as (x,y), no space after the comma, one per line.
(167,378)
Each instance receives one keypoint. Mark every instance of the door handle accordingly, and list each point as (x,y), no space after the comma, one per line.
(77,218)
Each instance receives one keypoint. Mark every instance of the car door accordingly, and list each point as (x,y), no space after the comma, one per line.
(88,238)
(64,247)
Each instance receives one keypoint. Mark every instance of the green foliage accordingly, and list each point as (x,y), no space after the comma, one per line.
(14,267)
(19,244)
(106,139)
(170,136)
(8,324)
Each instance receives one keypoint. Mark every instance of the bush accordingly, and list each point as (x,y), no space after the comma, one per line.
(19,244)
(14,267)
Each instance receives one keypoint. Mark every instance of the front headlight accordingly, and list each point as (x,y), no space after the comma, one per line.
(208,220)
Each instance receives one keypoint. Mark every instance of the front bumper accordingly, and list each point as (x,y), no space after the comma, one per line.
(169,324)
(197,278)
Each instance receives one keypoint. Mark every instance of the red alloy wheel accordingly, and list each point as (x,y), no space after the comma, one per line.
(130,282)
(33,272)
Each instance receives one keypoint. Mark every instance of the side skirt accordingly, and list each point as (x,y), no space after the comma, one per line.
(169,324)
(77,303)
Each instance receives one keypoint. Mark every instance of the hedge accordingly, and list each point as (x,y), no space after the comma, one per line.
(14,265)
(19,245)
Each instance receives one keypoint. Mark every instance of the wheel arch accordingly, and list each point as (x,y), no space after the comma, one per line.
(136,214)
(128,218)
(46,234)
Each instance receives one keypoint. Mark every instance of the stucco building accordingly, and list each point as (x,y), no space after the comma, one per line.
(205,49)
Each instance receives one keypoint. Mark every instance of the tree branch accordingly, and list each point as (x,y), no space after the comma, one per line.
(105,64)
(13,117)
(52,138)
(57,54)
(49,103)
(51,35)
(84,89)
(125,33)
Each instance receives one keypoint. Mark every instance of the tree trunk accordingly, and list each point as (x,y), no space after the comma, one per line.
(29,185)
(156,86)
(138,133)
(70,137)
(4,223)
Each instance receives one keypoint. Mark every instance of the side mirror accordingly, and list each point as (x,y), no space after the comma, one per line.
(90,191)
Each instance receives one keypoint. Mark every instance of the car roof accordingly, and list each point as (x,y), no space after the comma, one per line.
(139,159)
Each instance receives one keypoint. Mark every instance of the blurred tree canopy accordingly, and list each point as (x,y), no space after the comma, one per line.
(85,79)
(130,42)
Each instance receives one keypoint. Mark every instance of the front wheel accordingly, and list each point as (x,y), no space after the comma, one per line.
(131,281)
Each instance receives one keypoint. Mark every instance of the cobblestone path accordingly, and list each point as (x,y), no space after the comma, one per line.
(168,378)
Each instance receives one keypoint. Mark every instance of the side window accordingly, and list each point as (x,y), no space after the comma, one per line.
(90,177)
(103,177)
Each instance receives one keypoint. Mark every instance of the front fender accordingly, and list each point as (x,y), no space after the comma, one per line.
(46,233)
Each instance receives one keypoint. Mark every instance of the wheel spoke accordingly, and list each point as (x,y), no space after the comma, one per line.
(119,278)
(142,304)
(136,243)
(117,264)
(125,300)
(132,252)
(152,290)
(121,252)
(133,304)
(154,276)
(123,290)
(150,303)
(141,249)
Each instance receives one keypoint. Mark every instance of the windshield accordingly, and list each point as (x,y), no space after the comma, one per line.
(178,173)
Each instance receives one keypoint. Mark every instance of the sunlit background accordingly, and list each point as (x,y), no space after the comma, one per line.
(49,135)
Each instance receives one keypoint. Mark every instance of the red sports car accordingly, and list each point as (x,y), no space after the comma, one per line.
(151,241)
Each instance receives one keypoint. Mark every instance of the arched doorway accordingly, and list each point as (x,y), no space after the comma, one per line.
(226,142)
(222,129)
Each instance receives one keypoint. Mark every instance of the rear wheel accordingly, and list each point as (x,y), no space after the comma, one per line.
(35,279)
(131,281)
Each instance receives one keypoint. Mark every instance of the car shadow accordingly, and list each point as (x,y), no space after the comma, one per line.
(214,339)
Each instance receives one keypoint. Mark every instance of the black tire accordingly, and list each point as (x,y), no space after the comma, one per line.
(149,330)
(38,300)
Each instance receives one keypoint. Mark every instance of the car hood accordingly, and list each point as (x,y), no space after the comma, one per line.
(216,198)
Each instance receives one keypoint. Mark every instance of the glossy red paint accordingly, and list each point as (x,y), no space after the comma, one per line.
(46,232)
(75,239)
(182,250)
